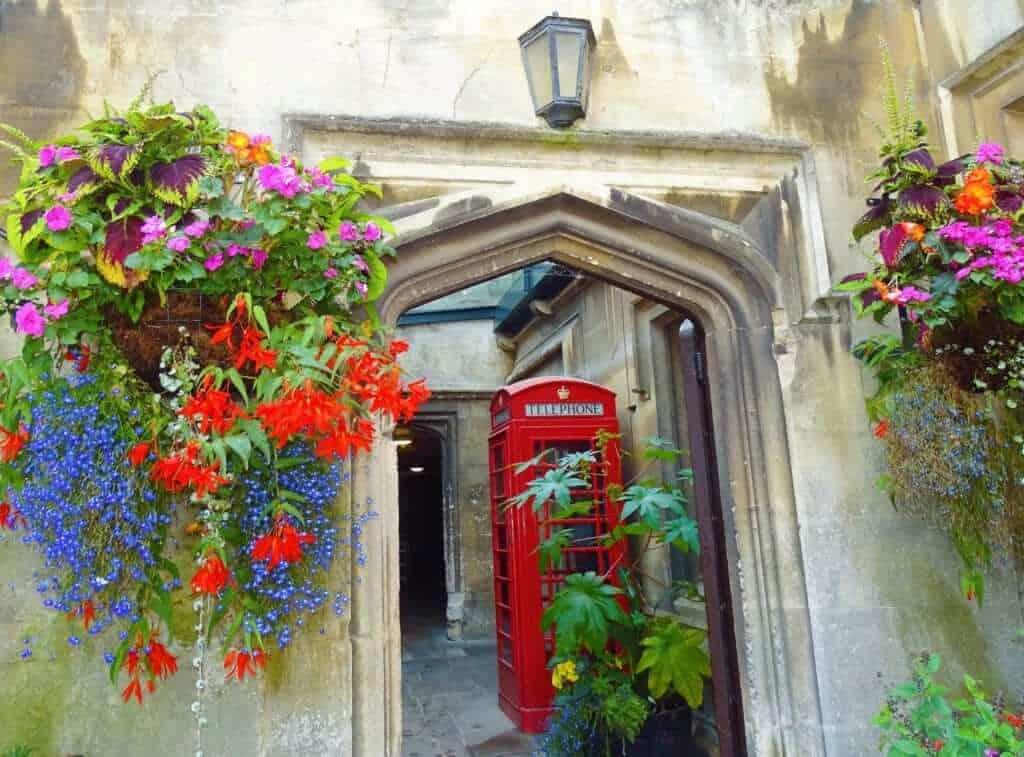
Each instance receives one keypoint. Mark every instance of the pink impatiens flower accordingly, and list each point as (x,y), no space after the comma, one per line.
(906,295)
(371,232)
(29,321)
(348,232)
(56,310)
(282,179)
(331,273)
(358,262)
(52,154)
(320,179)
(67,153)
(317,240)
(47,155)
(58,218)
(23,279)
(990,152)
(153,229)
(197,228)
(178,244)
(214,262)
(234,250)
(258,257)
(361,287)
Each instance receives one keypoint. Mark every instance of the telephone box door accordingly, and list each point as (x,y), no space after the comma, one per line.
(554,416)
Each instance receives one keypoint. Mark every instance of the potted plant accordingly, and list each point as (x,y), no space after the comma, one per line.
(200,354)
(627,671)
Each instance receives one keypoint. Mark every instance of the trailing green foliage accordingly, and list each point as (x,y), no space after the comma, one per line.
(920,720)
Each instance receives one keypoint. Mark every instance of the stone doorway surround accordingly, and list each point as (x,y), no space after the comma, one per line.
(746,279)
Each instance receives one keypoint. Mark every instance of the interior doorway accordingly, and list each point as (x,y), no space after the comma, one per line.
(546,319)
(421,539)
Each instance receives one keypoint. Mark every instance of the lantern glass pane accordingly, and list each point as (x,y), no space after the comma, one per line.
(567,49)
(538,63)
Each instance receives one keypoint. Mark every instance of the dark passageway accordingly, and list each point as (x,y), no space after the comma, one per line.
(421,531)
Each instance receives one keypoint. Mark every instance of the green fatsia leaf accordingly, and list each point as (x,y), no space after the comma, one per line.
(675,660)
(334,163)
(549,551)
(683,534)
(656,448)
(648,502)
(584,612)
(556,484)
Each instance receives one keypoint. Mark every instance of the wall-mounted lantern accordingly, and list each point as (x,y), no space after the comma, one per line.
(557,54)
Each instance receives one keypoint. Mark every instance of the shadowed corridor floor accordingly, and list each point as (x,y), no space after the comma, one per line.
(449,695)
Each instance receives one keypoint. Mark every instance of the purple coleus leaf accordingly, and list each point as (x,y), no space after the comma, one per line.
(123,238)
(923,198)
(83,177)
(173,181)
(875,218)
(116,160)
(946,173)
(29,219)
(1009,200)
(890,244)
(921,158)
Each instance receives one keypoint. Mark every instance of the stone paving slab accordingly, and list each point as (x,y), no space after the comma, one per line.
(450,698)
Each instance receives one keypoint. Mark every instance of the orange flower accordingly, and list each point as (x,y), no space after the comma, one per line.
(87,611)
(160,661)
(238,663)
(914,231)
(1017,721)
(882,288)
(12,442)
(238,141)
(180,471)
(212,410)
(212,576)
(978,193)
(133,689)
(137,455)
(252,350)
(246,149)
(10,518)
(282,545)
(882,428)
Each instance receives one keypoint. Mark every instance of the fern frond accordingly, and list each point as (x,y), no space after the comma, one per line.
(146,93)
(15,133)
(16,149)
(890,97)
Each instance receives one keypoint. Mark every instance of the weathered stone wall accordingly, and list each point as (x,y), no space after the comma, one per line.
(879,586)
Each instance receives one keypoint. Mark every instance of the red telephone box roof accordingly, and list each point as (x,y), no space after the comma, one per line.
(552,396)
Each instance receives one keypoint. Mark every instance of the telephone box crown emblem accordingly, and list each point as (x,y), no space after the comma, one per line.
(563,392)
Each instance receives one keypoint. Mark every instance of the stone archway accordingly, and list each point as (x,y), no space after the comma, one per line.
(706,267)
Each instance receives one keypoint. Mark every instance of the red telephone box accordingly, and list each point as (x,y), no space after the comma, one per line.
(560,415)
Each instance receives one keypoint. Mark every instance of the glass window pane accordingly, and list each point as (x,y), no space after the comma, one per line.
(567,47)
(538,61)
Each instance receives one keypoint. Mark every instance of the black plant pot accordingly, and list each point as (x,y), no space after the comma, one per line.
(665,733)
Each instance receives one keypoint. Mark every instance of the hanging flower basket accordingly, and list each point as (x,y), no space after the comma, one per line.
(949,407)
(200,355)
